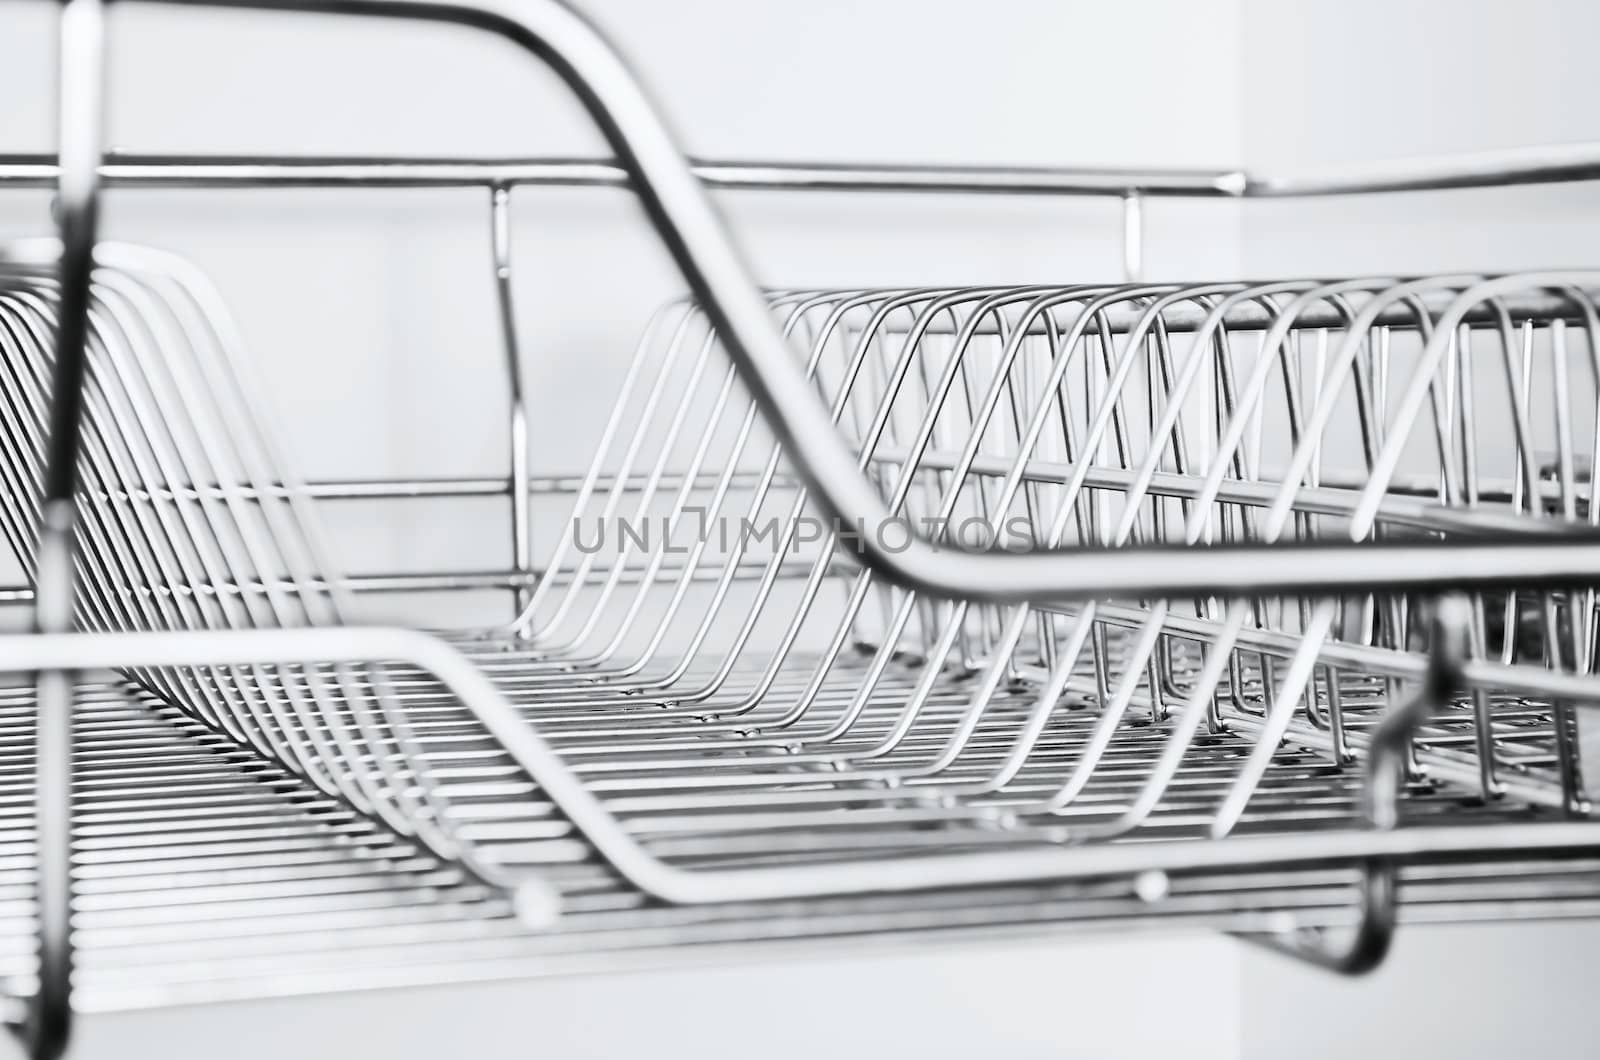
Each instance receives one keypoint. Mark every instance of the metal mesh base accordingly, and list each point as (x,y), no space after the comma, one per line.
(204,873)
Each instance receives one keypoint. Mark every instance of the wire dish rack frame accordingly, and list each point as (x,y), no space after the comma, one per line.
(1166,666)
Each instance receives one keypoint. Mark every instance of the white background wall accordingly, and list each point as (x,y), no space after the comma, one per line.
(1336,82)
(371,313)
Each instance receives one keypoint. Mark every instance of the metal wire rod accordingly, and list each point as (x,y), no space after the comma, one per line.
(1554,163)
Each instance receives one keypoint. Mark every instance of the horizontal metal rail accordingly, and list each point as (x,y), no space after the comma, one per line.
(469,580)
(1508,168)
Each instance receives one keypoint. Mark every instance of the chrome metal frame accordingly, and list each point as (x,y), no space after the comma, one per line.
(672,191)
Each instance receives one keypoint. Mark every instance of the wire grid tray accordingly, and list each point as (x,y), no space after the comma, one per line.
(677,701)
(205,874)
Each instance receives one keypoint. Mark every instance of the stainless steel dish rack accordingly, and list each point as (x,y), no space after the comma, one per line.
(1268,606)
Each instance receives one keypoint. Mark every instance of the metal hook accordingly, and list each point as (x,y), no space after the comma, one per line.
(1380,802)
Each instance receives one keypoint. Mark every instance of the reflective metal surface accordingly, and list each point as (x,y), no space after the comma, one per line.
(1264,606)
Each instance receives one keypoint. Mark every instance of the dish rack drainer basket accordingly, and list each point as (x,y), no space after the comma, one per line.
(1269,606)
